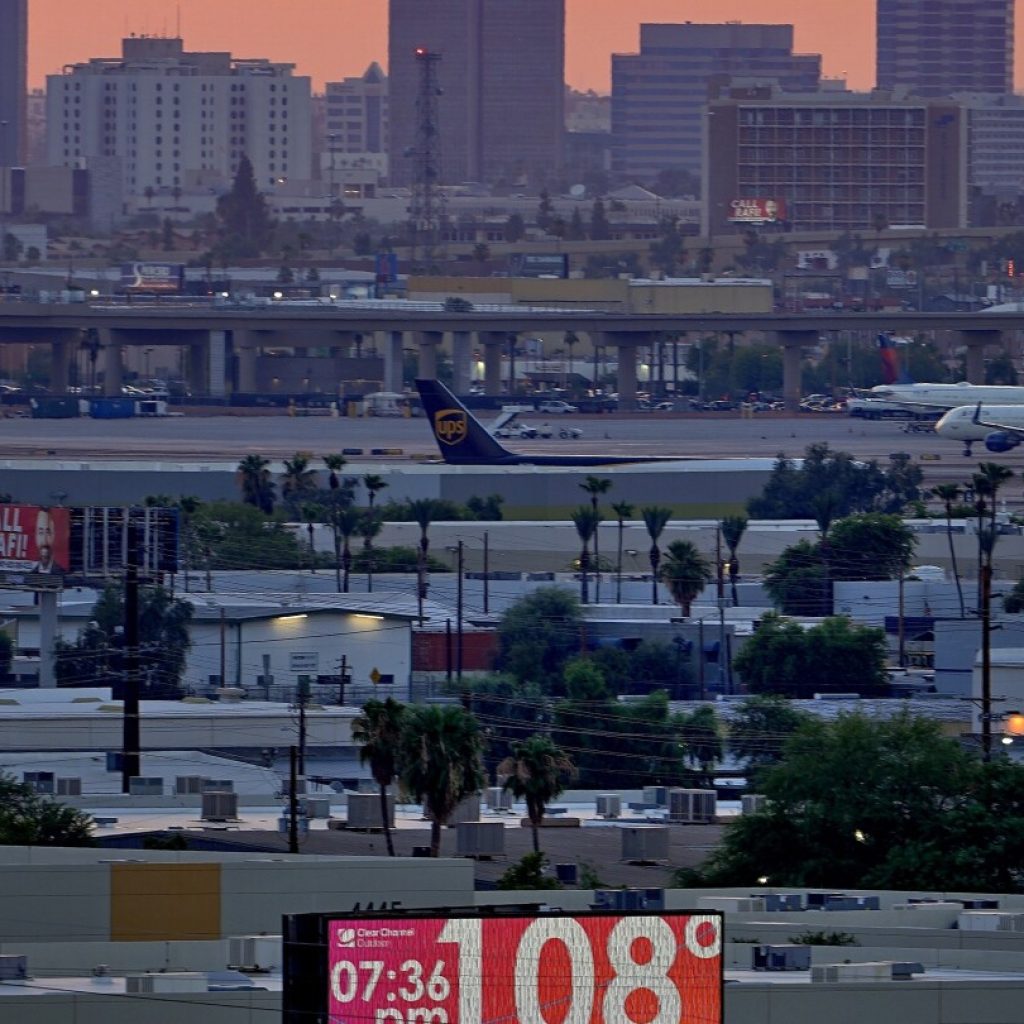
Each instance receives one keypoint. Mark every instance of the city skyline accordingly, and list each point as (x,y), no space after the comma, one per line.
(318,34)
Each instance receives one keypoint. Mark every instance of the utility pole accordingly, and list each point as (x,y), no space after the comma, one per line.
(293,800)
(487,573)
(720,586)
(342,670)
(458,616)
(130,754)
(986,656)
(303,693)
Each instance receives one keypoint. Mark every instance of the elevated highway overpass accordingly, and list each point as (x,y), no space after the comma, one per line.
(223,341)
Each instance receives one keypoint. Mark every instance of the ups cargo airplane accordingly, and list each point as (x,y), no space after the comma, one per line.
(465,442)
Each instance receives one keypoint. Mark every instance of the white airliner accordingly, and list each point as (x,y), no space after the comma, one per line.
(1001,427)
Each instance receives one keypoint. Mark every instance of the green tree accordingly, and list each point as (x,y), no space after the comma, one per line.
(685,572)
(869,546)
(374,484)
(28,819)
(873,803)
(299,478)
(655,519)
(97,655)
(577,229)
(733,528)
(515,228)
(700,733)
(528,873)
(537,634)
(245,222)
(668,250)
(950,495)
(623,511)
(595,486)
(586,521)
(537,771)
(378,732)
(234,535)
(837,656)
(335,464)
(545,210)
(370,526)
(440,757)
(759,729)
(600,228)
(344,523)
(423,511)
(256,482)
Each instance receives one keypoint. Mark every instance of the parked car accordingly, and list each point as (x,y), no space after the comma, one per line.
(555,407)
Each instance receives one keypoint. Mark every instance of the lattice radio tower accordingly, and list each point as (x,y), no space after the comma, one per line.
(426,212)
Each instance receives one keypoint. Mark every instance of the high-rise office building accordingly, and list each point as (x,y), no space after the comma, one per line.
(659,94)
(502,82)
(939,47)
(13,81)
(174,119)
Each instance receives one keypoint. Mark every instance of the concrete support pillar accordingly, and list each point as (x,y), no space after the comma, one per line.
(60,365)
(975,343)
(198,382)
(462,361)
(393,361)
(793,343)
(246,356)
(113,364)
(47,638)
(493,345)
(626,373)
(428,343)
(217,364)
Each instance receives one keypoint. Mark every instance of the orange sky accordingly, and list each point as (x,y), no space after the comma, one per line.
(330,39)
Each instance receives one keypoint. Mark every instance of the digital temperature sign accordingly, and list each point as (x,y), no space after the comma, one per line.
(586,968)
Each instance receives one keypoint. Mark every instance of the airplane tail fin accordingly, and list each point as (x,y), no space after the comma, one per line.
(893,371)
(459,435)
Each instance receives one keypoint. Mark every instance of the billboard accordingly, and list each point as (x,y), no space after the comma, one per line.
(34,545)
(756,211)
(577,968)
(539,264)
(152,277)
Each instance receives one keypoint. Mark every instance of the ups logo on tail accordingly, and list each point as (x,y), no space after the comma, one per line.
(451,426)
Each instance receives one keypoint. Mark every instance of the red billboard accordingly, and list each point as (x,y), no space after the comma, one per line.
(756,211)
(34,540)
(587,968)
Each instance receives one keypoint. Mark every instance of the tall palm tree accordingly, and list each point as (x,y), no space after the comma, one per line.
(733,528)
(623,511)
(537,770)
(345,524)
(256,483)
(335,464)
(312,513)
(949,495)
(440,758)
(370,525)
(685,572)
(655,518)
(299,478)
(595,486)
(571,340)
(374,483)
(378,731)
(585,520)
(422,511)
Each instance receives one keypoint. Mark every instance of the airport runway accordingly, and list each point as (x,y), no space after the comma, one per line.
(218,438)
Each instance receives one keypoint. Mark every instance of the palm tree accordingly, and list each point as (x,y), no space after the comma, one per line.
(440,758)
(370,525)
(373,482)
(585,520)
(595,486)
(311,514)
(733,528)
(378,731)
(345,524)
(571,340)
(536,770)
(949,495)
(422,511)
(299,479)
(335,464)
(623,511)
(685,572)
(256,482)
(655,518)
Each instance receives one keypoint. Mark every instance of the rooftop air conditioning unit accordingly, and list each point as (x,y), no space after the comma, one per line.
(733,904)
(254,952)
(753,803)
(781,957)
(364,810)
(178,982)
(188,785)
(499,799)
(990,921)
(645,844)
(39,782)
(692,805)
(69,787)
(609,805)
(216,786)
(656,795)
(142,785)
(881,970)
(479,839)
(318,807)
(468,810)
(13,967)
(220,806)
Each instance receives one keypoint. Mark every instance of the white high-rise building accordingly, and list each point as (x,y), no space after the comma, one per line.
(177,120)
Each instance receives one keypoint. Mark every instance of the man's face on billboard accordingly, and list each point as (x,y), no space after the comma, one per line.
(44,536)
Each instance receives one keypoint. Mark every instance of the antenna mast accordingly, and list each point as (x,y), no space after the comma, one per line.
(426,212)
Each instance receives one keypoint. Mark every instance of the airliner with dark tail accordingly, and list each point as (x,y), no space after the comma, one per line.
(465,442)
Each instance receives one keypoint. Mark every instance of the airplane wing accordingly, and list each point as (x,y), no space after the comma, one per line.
(1005,428)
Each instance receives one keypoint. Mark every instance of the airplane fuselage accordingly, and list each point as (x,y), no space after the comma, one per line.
(949,396)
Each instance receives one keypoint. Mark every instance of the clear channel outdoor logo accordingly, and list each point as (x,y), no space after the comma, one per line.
(451,426)
(347,938)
